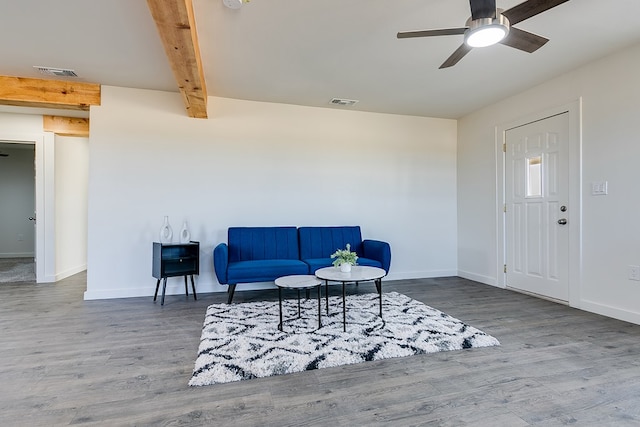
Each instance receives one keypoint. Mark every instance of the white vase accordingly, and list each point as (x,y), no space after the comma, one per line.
(345,268)
(185,236)
(166,232)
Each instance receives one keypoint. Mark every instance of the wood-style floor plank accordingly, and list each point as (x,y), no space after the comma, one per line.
(117,362)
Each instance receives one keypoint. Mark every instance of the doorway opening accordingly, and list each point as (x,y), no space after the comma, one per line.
(42,145)
(17,228)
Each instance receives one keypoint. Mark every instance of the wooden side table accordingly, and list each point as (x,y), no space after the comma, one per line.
(174,260)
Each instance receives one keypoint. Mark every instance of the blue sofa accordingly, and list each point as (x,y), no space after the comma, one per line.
(262,254)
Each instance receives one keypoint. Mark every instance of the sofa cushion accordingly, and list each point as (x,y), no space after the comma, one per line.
(264,270)
(321,242)
(262,243)
(367,262)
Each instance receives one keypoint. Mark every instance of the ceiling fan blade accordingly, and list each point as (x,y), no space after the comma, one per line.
(524,40)
(530,8)
(482,9)
(456,56)
(430,33)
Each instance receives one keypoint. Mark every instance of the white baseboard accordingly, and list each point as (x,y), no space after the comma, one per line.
(613,312)
(70,272)
(421,274)
(46,279)
(119,293)
(479,278)
(17,255)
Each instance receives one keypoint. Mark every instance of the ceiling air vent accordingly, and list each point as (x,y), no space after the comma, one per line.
(58,72)
(343,102)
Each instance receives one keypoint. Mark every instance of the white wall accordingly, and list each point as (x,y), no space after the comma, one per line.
(17,201)
(261,164)
(71,189)
(610,148)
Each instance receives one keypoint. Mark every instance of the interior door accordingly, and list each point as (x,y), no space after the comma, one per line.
(536,203)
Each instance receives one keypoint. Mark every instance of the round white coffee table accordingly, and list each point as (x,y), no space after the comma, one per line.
(298,282)
(357,274)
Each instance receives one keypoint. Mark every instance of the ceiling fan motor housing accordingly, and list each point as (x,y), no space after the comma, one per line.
(493,30)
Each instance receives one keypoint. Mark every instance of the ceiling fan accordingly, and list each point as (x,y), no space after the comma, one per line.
(489,25)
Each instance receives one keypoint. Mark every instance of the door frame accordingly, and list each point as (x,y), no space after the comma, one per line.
(45,199)
(574,110)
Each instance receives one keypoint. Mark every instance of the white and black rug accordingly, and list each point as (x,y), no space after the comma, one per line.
(242,341)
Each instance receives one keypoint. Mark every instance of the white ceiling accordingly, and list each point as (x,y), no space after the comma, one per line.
(306,52)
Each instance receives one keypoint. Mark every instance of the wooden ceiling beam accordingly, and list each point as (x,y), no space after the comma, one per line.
(177,27)
(28,92)
(66,126)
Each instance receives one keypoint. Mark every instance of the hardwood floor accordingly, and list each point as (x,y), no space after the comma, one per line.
(127,362)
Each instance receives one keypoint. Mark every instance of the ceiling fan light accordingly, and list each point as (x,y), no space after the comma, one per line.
(486,32)
(486,36)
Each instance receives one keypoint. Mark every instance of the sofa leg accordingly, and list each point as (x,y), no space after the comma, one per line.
(231,290)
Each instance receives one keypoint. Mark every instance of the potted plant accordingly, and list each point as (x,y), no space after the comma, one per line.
(344,258)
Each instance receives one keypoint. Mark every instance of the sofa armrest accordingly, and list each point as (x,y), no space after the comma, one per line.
(378,250)
(221,262)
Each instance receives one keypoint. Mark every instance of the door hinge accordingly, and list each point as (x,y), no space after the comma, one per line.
(504,208)
(505,268)
(504,147)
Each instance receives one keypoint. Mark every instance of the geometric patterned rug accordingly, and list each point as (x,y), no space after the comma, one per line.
(242,341)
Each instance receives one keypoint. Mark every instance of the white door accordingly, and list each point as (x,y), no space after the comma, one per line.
(536,202)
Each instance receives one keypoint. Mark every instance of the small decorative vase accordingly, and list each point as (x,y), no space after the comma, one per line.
(185,236)
(345,267)
(166,232)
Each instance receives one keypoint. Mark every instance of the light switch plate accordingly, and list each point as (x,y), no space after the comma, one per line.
(599,188)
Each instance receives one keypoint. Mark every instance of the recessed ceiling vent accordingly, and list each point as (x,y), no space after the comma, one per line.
(343,102)
(234,4)
(58,72)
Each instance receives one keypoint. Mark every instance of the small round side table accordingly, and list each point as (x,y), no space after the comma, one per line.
(298,282)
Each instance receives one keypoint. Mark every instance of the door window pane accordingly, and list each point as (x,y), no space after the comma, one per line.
(534,176)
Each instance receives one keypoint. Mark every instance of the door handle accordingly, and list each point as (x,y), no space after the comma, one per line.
(562,221)
(31,218)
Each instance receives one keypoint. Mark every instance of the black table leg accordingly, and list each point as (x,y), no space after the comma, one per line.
(280,305)
(193,287)
(186,288)
(319,308)
(164,288)
(344,308)
(326,294)
(156,294)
